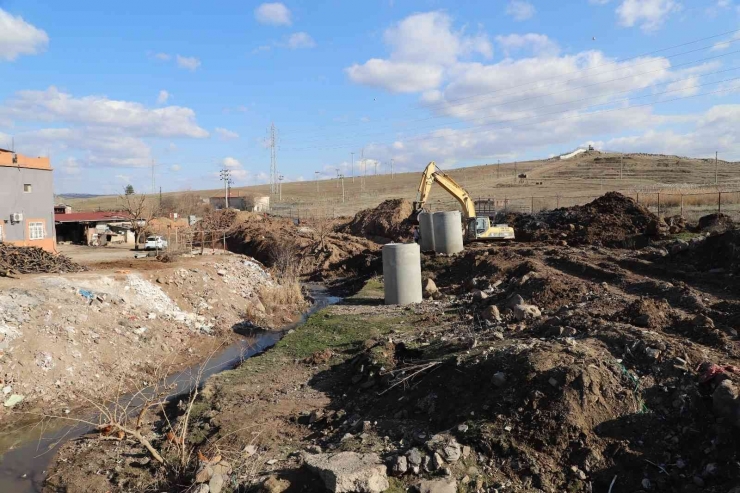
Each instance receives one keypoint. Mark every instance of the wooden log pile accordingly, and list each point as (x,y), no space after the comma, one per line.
(34,260)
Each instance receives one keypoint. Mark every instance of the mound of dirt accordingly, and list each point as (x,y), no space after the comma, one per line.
(716,222)
(720,251)
(390,221)
(611,220)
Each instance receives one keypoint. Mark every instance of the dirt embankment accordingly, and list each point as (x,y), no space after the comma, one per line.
(311,250)
(388,222)
(73,335)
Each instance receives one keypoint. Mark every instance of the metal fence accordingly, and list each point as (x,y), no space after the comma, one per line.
(690,204)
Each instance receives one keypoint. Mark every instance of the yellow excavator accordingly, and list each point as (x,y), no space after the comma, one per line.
(477,228)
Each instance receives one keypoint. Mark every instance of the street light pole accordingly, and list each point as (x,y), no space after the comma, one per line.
(316,173)
(341,177)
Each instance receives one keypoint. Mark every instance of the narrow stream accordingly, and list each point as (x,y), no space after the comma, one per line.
(23,467)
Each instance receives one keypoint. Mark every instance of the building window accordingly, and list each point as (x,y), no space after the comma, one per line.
(36,231)
(27,188)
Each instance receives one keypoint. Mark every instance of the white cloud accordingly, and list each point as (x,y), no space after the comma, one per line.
(54,105)
(231,163)
(18,37)
(396,76)
(422,46)
(274,14)
(70,166)
(649,14)
(123,178)
(190,63)
(724,44)
(539,44)
(300,40)
(599,2)
(686,87)
(520,10)
(226,134)
(175,168)
(165,57)
(163,97)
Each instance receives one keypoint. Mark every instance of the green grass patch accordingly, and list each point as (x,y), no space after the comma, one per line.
(686,236)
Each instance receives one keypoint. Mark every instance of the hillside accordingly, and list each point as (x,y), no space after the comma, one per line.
(552,183)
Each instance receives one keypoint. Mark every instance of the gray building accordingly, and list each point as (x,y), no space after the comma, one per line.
(26,201)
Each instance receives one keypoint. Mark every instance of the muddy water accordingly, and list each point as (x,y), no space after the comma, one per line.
(23,465)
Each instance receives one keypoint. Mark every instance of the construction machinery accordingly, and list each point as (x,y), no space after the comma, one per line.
(477,228)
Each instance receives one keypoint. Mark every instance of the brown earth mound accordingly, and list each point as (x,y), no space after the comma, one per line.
(390,221)
(34,260)
(716,222)
(311,249)
(611,220)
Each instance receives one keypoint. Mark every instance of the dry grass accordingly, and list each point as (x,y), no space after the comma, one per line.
(574,181)
(281,295)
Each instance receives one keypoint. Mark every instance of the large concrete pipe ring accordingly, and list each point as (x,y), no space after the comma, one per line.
(402,273)
(426,231)
(448,236)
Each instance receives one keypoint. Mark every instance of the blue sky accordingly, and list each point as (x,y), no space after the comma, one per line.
(107,88)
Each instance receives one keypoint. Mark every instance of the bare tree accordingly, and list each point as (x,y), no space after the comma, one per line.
(140,210)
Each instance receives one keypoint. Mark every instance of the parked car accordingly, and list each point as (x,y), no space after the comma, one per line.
(155,243)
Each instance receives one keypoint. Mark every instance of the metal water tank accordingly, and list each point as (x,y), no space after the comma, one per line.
(426,232)
(402,273)
(448,234)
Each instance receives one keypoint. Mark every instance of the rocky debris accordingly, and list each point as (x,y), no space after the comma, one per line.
(446,485)
(400,465)
(657,227)
(676,224)
(273,484)
(726,402)
(446,447)
(346,472)
(389,221)
(491,313)
(429,288)
(34,260)
(717,253)
(415,460)
(216,475)
(499,379)
(526,312)
(716,222)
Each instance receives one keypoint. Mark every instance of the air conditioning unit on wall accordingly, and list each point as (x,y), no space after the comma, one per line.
(16,217)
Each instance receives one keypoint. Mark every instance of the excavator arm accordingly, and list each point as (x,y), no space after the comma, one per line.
(432,174)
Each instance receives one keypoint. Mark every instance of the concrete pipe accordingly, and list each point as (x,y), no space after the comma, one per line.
(426,231)
(448,235)
(402,273)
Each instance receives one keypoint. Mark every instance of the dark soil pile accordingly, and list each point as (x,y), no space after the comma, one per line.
(611,220)
(716,222)
(34,260)
(390,221)
(720,251)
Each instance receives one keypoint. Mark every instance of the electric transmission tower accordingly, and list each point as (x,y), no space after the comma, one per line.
(226,178)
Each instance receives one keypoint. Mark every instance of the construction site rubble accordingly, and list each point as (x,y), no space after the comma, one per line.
(391,221)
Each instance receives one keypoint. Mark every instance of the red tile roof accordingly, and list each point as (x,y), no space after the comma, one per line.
(77,217)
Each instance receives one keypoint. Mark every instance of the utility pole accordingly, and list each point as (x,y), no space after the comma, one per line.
(280,188)
(514,171)
(273,160)
(391,168)
(160,198)
(316,174)
(353,166)
(337,176)
(716,166)
(226,177)
(621,166)
(341,177)
(376,168)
